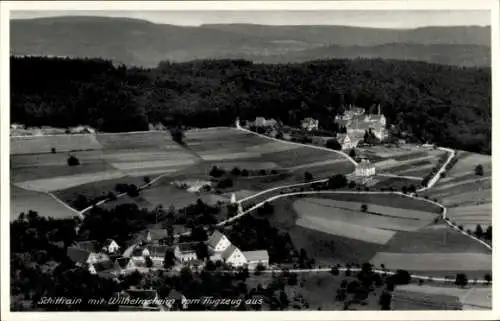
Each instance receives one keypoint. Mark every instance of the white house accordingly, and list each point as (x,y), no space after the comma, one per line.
(233,256)
(346,142)
(218,242)
(185,252)
(310,124)
(254,258)
(365,168)
(110,246)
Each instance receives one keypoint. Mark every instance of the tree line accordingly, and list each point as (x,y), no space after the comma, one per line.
(446,105)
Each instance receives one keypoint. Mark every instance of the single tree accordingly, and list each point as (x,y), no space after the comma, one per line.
(352,153)
(168,259)
(333,144)
(308,177)
(461,279)
(479,231)
(479,170)
(385,300)
(364,208)
(235,171)
(149,262)
(53,150)
(147,180)
(487,278)
(73,161)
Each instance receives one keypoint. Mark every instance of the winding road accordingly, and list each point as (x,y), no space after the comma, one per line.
(431,183)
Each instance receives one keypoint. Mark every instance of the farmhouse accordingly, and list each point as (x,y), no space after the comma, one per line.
(106,269)
(155,252)
(357,122)
(223,250)
(310,124)
(254,258)
(218,242)
(156,235)
(126,263)
(185,252)
(233,256)
(365,168)
(84,253)
(110,246)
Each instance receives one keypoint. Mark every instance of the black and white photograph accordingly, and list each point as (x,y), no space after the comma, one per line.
(314,158)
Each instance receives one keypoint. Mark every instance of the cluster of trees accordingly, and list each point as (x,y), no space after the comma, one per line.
(218,172)
(434,170)
(446,105)
(39,267)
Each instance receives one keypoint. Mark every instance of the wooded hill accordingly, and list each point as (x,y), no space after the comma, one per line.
(446,105)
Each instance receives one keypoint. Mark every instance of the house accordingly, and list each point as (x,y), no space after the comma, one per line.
(155,252)
(126,264)
(185,252)
(365,168)
(233,256)
(156,235)
(218,242)
(106,269)
(310,124)
(346,142)
(110,246)
(254,258)
(262,122)
(84,255)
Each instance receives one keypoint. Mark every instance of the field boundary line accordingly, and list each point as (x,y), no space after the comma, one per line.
(80,215)
(300,144)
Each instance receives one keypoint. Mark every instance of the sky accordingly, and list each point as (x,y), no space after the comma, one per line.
(375,18)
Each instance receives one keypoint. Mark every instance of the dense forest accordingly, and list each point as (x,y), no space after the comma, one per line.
(449,106)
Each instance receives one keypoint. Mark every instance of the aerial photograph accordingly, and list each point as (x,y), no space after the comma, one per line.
(272,160)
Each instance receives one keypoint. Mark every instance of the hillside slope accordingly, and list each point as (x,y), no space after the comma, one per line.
(142,43)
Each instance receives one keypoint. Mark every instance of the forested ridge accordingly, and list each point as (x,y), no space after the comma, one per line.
(446,105)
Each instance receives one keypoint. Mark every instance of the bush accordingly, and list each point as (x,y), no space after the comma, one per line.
(364,208)
(461,279)
(73,161)
(308,177)
(53,150)
(235,171)
(216,172)
(132,190)
(225,183)
(333,144)
(479,170)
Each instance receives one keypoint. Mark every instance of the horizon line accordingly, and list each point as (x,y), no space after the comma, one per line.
(248,23)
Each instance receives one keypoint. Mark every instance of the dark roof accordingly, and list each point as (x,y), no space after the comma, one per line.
(157,233)
(157,250)
(187,247)
(227,253)
(108,242)
(137,251)
(215,239)
(104,266)
(77,254)
(122,261)
(91,246)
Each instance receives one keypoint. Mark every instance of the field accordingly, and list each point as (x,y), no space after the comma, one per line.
(468,298)
(406,160)
(116,156)
(44,144)
(467,195)
(381,217)
(23,201)
(395,231)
